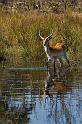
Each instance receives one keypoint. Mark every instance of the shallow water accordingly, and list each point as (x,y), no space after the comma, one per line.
(31,95)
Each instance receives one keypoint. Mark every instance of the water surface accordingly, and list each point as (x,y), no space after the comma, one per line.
(25,98)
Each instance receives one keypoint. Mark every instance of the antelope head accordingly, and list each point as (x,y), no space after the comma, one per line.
(45,40)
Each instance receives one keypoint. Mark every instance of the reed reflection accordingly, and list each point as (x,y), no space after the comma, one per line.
(22,98)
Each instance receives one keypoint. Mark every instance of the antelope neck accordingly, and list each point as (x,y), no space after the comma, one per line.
(47,48)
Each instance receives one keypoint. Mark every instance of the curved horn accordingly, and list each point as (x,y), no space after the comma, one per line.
(40,36)
(50,36)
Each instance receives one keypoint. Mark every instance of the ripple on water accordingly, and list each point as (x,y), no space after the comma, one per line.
(24,99)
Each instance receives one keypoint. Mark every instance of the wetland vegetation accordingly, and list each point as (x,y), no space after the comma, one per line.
(29,93)
(19,32)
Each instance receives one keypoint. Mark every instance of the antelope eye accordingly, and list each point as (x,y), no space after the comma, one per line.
(44,44)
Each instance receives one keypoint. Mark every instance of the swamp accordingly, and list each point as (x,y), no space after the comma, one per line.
(30,93)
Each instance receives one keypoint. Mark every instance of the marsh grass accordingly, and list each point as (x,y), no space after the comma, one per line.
(19,33)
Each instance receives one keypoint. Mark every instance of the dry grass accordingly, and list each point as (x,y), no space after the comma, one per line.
(20,30)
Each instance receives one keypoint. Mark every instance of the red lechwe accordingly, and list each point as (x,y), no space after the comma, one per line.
(54,52)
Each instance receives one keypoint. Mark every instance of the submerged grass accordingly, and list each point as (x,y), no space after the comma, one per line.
(19,33)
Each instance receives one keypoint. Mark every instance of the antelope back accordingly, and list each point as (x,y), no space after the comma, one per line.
(58,46)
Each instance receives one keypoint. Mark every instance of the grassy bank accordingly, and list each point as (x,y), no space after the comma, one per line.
(19,33)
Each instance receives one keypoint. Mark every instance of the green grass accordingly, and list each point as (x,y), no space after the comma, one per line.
(19,33)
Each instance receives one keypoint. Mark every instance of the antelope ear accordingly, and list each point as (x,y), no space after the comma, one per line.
(42,38)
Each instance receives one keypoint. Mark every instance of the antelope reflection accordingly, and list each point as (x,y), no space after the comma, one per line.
(56,89)
(59,78)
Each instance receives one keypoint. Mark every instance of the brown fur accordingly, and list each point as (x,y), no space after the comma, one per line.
(58,46)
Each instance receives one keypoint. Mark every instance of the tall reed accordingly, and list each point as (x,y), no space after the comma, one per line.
(19,33)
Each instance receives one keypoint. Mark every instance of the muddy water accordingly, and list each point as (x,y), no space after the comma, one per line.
(33,96)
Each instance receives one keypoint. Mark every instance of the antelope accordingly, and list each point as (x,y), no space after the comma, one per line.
(54,52)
